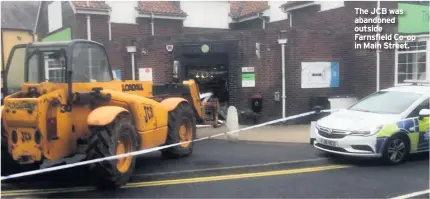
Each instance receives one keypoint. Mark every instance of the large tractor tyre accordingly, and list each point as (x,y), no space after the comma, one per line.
(181,128)
(119,137)
(396,149)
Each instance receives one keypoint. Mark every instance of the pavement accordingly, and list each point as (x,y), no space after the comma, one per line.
(239,169)
(269,133)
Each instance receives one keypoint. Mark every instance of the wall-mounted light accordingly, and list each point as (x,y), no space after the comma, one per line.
(282,39)
(132,51)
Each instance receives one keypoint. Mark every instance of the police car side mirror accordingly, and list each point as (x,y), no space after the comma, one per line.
(424,113)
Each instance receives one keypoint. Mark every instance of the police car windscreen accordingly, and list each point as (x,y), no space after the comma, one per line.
(386,102)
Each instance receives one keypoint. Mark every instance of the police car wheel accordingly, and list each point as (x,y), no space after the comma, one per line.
(396,149)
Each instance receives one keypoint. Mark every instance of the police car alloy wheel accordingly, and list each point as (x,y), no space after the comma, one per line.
(396,149)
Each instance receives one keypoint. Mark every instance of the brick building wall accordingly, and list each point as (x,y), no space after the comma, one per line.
(125,30)
(192,30)
(361,63)
(67,14)
(365,60)
(100,28)
(314,36)
(79,29)
(143,28)
(322,47)
(254,24)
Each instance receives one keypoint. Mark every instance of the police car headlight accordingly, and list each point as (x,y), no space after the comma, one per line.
(367,132)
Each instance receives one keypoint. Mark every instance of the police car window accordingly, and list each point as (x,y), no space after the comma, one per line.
(423,105)
(386,102)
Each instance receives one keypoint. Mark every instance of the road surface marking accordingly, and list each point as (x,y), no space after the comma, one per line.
(178,181)
(410,195)
(218,168)
(231,167)
(234,176)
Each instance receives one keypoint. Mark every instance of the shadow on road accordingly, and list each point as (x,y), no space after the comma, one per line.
(371,162)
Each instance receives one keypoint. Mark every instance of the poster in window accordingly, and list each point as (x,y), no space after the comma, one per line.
(320,75)
(116,74)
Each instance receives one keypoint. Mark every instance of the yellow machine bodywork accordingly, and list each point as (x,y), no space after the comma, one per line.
(27,115)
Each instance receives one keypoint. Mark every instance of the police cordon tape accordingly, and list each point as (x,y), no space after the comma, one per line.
(144,151)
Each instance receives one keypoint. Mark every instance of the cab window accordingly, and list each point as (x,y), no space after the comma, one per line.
(424,105)
(15,72)
(90,64)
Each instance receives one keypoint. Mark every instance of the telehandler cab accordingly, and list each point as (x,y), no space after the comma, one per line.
(62,105)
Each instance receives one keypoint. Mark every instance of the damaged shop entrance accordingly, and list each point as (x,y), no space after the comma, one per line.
(208,65)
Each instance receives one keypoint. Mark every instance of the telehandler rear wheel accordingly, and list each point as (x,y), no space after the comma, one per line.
(182,128)
(119,137)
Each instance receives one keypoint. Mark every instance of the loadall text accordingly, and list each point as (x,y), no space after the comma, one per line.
(132,87)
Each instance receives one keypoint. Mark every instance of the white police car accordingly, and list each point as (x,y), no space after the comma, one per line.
(389,124)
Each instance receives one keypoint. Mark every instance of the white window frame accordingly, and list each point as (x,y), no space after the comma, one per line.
(47,68)
(426,38)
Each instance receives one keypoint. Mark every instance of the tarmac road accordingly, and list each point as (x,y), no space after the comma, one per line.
(224,169)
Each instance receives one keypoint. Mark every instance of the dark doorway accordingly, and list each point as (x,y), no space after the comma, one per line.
(210,71)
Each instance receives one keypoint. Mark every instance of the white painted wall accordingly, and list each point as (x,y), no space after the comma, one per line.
(206,14)
(275,12)
(55,17)
(123,11)
(328,5)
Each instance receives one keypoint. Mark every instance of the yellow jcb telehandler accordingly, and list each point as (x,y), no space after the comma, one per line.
(62,105)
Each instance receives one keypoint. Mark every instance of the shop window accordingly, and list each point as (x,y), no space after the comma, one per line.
(412,63)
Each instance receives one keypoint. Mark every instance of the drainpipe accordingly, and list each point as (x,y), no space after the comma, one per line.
(133,66)
(152,23)
(263,20)
(132,50)
(283,80)
(35,38)
(377,53)
(89,50)
(88,27)
(283,41)
(110,28)
(291,19)
(264,23)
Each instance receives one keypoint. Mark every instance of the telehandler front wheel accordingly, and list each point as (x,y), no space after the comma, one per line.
(181,128)
(119,137)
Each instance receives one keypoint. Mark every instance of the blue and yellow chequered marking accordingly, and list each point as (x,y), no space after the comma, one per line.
(416,129)
(423,135)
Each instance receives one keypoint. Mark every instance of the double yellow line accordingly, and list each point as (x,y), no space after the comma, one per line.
(177,181)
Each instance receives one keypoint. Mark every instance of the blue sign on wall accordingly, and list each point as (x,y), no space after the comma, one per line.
(334,80)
